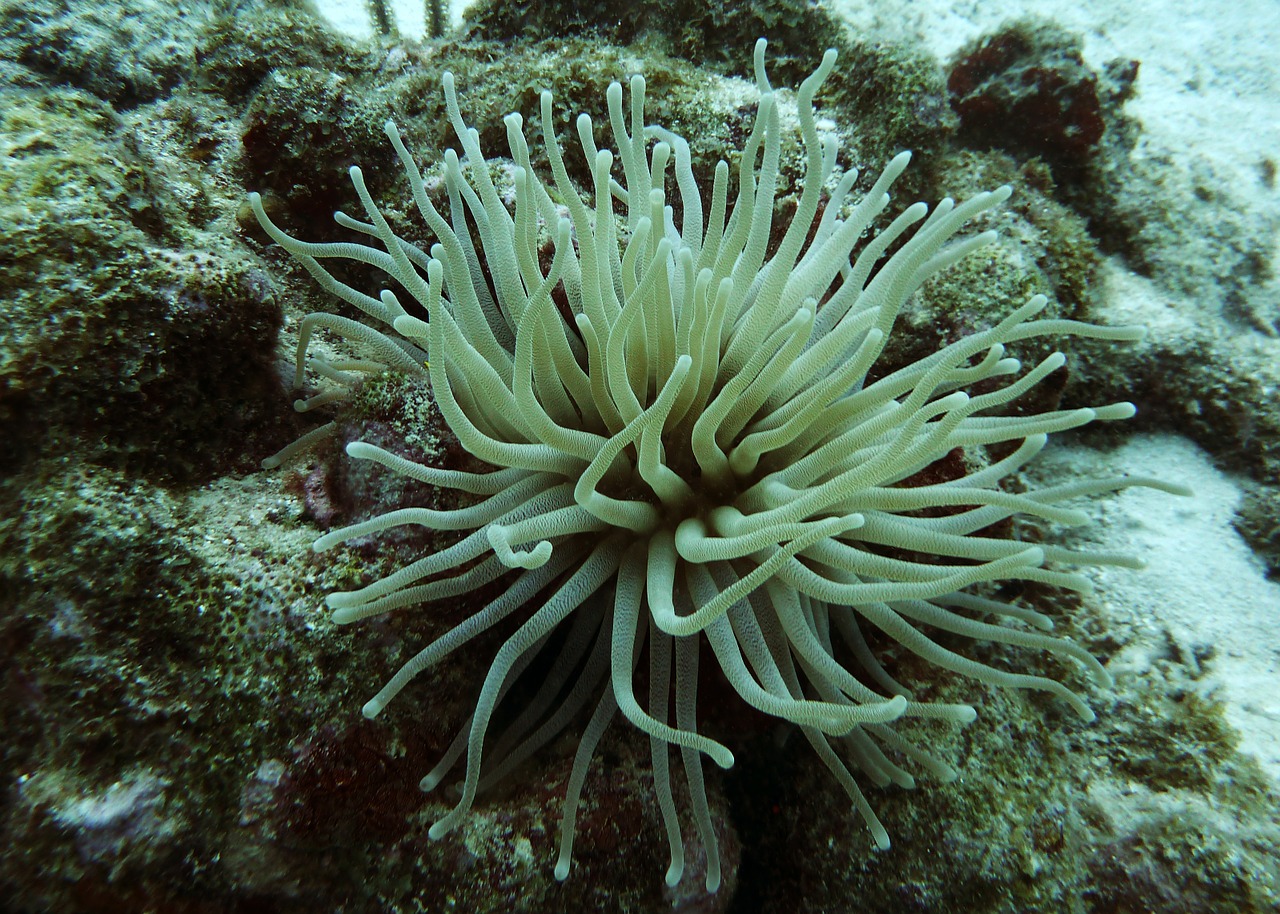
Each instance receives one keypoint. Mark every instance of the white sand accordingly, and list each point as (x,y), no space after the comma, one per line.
(1210,72)
(1208,99)
(1203,588)
(352,16)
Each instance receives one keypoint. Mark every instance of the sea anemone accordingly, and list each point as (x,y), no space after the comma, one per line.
(693,442)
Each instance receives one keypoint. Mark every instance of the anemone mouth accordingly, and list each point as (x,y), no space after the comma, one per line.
(692,459)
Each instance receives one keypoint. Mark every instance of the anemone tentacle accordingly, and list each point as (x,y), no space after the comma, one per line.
(691,441)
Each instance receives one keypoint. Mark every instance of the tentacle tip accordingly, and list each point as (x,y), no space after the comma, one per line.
(270,463)
(852,522)
(535,558)
(1033,556)
(562,870)
(439,830)
(674,873)
(967,715)
(372,708)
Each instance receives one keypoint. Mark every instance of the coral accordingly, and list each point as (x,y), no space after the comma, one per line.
(716,34)
(1182,856)
(1027,89)
(241,48)
(113,328)
(1219,392)
(1258,521)
(129,52)
(129,810)
(306,121)
(892,90)
(120,626)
